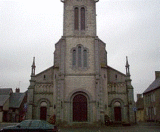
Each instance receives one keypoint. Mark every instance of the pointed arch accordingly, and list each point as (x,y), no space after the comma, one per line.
(42,109)
(117,108)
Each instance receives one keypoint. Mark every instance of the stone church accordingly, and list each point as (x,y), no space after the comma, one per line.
(80,86)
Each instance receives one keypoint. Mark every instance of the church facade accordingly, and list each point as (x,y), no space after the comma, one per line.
(80,86)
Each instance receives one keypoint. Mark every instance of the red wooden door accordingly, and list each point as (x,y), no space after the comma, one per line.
(117,113)
(79,108)
(43,113)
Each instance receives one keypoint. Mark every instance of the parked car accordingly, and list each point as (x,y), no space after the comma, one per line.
(31,126)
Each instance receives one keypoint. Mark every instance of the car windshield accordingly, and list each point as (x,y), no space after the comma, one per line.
(35,123)
(24,123)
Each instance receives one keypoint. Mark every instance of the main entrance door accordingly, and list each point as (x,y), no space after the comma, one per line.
(79,108)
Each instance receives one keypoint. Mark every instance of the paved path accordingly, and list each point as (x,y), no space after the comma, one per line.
(114,129)
(141,127)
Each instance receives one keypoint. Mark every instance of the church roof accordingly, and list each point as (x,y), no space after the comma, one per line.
(45,70)
(16,99)
(153,86)
(116,70)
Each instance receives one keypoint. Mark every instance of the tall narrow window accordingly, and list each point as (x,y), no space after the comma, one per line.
(82,18)
(79,56)
(76,18)
(85,58)
(74,58)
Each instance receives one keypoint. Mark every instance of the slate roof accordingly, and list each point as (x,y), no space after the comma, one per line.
(5,91)
(3,99)
(16,99)
(153,86)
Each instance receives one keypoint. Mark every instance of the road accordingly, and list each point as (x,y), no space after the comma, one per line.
(141,127)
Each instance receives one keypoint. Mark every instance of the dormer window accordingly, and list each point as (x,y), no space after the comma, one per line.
(79,18)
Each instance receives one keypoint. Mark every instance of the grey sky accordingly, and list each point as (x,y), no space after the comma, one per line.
(31,28)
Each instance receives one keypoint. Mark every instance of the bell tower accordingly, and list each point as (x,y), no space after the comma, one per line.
(79,17)
(79,63)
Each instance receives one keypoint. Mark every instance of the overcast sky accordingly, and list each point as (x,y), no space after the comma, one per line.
(31,28)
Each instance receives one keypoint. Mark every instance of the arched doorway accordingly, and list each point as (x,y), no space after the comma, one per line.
(43,111)
(117,111)
(79,108)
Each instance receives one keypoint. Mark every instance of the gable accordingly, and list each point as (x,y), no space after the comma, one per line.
(115,76)
(45,76)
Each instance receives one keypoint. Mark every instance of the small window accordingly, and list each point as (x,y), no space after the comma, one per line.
(154,110)
(147,111)
(44,77)
(154,97)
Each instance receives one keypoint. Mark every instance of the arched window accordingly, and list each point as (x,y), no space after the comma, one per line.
(79,18)
(82,18)
(74,58)
(85,58)
(76,18)
(79,57)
